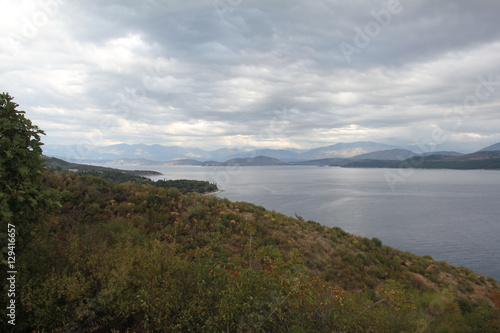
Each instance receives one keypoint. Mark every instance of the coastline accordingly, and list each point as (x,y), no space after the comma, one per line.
(213,192)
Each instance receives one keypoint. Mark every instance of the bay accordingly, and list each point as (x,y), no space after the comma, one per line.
(451,215)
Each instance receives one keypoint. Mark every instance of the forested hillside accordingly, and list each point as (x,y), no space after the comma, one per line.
(134,256)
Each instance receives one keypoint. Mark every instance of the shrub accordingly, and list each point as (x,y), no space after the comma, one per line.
(174,193)
(375,242)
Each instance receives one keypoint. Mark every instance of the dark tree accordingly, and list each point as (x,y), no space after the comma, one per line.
(23,198)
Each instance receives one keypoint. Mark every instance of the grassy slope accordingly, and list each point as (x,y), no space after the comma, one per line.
(131,255)
(482,160)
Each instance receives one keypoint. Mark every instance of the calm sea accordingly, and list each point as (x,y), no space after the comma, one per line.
(451,215)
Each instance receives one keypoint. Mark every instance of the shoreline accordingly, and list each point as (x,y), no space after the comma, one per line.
(213,192)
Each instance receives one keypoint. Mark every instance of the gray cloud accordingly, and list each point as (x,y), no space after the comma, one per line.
(263,73)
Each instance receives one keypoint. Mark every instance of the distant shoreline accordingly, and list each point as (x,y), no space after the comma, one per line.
(213,192)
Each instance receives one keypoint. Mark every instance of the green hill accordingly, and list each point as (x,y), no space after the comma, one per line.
(478,160)
(139,258)
(122,176)
(57,164)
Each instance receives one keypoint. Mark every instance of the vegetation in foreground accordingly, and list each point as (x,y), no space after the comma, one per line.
(99,256)
(183,185)
(123,176)
(134,256)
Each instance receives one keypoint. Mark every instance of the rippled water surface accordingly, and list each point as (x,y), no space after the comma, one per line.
(452,215)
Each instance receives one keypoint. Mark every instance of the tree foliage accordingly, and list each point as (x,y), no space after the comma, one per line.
(183,185)
(23,198)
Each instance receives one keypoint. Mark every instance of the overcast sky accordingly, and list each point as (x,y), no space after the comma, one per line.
(262,73)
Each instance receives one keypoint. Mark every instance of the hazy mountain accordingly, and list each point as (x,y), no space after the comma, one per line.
(124,161)
(224,154)
(442,153)
(393,158)
(136,154)
(461,147)
(152,152)
(345,150)
(494,147)
(161,153)
(252,161)
(184,161)
(115,152)
(281,154)
(155,152)
(335,161)
(391,154)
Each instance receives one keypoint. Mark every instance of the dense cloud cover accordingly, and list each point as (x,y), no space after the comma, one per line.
(281,73)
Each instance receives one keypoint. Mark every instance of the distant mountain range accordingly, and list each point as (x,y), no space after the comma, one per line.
(340,154)
(386,159)
(158,153)
(494,147)
(391,154)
